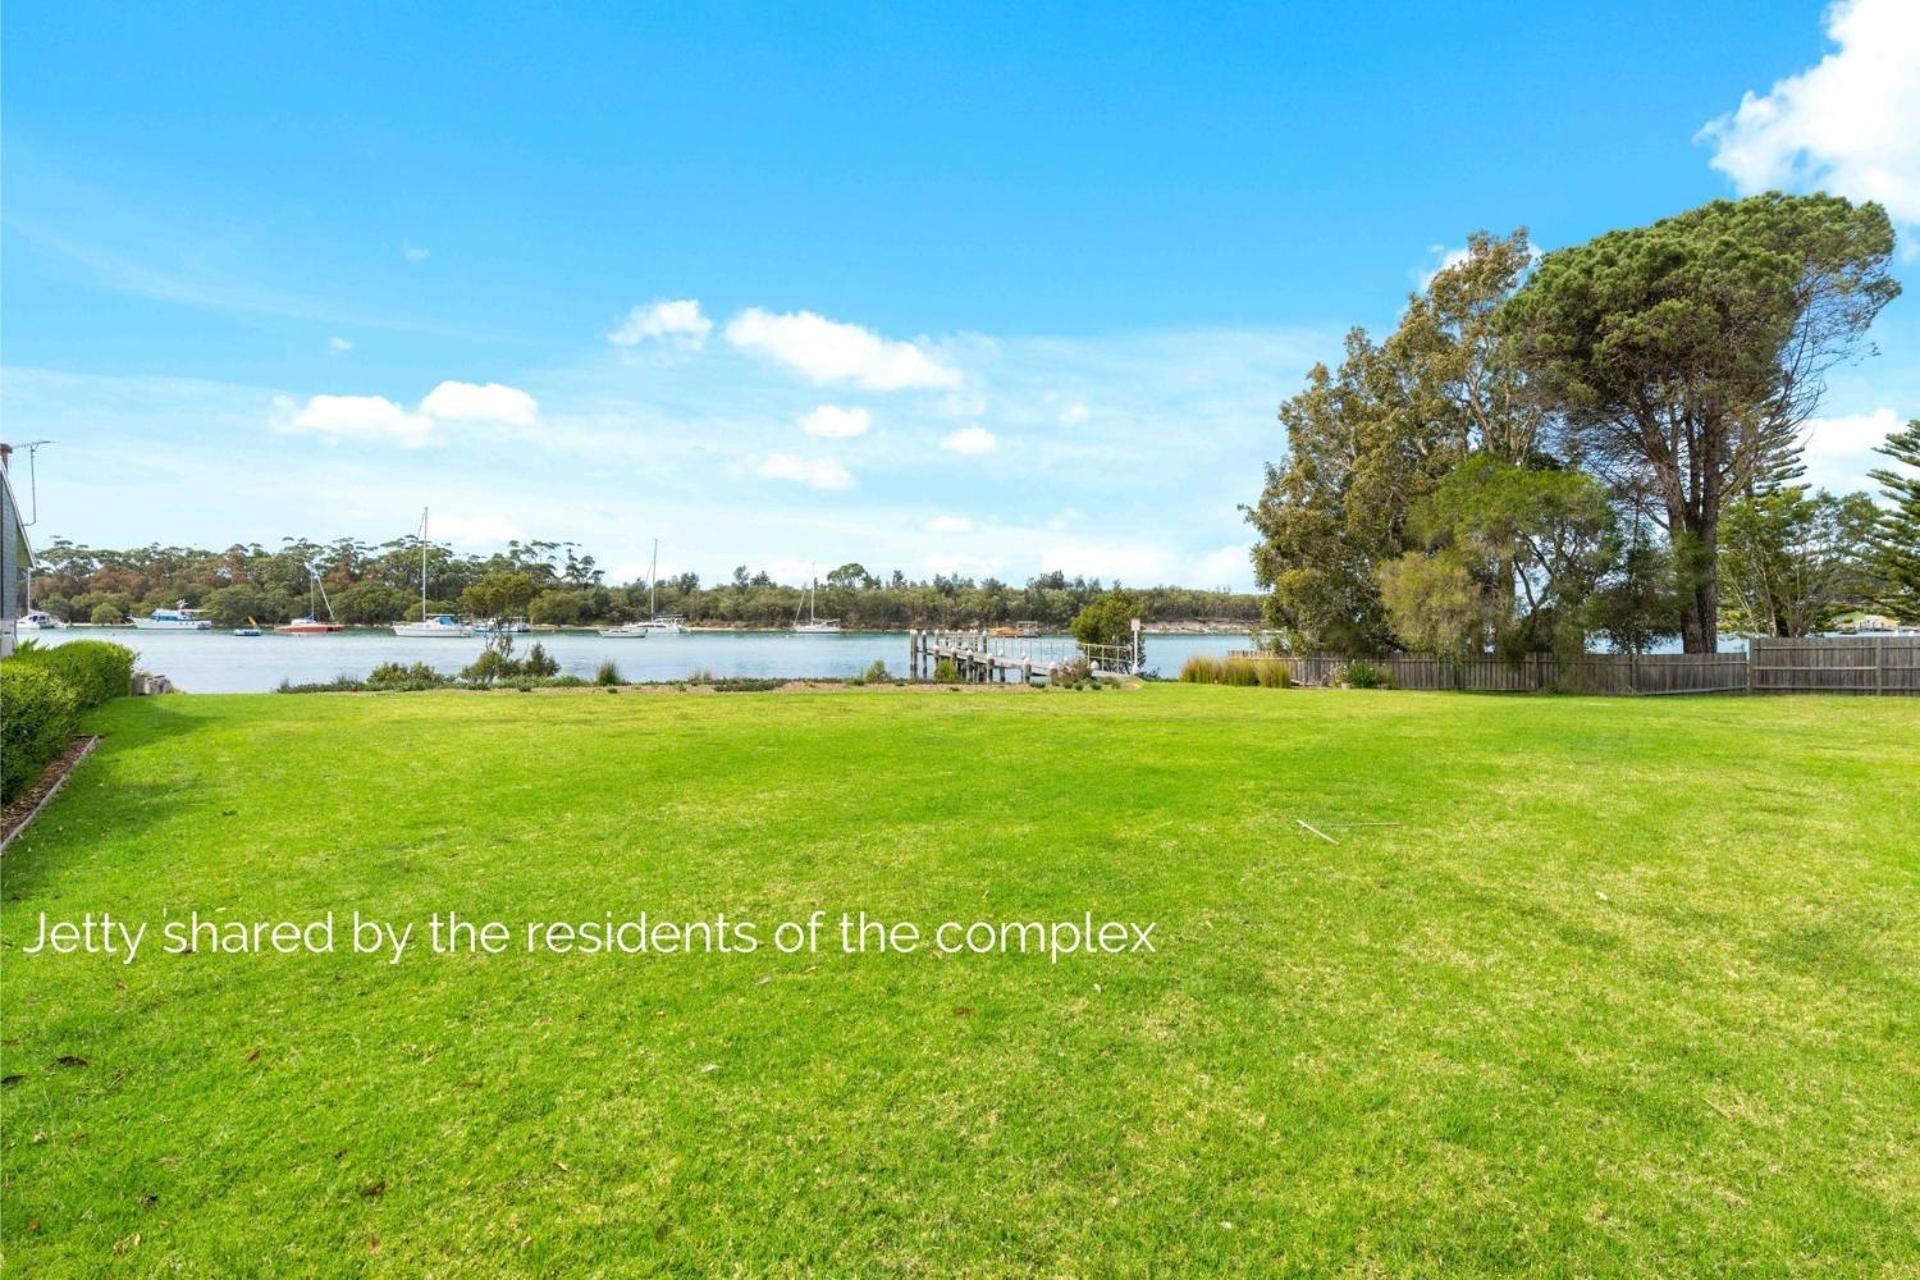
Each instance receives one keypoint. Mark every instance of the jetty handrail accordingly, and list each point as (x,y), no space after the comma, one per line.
(1039,654)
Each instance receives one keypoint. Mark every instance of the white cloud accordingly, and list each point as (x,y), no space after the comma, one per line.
(339,418)
(831,422)
(376,418)
(1111,560)
(961,565)
(1839,451)
(472,402)
(486,530)
(339,344)
(414,253)
(949,524)
(1850,124)
(1075,414)
(970,440)
(1227,567)
(674,322)
(815,473)
(826,351)
(1439,258)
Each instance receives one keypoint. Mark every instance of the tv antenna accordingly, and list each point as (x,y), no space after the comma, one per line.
(33,477)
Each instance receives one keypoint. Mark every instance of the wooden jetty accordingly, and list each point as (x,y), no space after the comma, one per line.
(981,658)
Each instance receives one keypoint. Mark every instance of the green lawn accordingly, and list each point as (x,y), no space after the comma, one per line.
(1630,989)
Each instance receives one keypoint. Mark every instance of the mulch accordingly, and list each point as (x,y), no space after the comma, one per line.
(15,817)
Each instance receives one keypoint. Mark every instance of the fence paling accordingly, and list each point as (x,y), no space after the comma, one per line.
(1878,665)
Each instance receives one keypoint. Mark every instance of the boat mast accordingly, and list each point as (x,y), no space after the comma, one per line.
(653,575)
(423,564)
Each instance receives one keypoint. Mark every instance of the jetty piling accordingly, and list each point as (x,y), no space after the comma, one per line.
(983,658)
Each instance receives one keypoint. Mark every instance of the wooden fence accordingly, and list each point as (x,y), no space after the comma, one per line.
(1846,664)
(1876,664)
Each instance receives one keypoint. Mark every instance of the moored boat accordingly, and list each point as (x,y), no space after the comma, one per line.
(308,626)
(814,625)
(311,624)
(444,625)
(176,619)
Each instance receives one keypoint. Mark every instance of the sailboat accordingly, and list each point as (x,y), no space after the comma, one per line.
(444,625)
(814,625)
(655,623)
(311,625)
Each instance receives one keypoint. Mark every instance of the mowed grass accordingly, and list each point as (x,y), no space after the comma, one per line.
(1629,989)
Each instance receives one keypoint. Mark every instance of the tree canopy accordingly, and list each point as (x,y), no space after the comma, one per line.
(1685,356)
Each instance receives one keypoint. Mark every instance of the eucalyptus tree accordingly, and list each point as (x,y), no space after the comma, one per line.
(1366,441)
(1686,356)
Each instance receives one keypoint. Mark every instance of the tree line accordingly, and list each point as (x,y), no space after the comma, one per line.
(1602,442)
(550,583)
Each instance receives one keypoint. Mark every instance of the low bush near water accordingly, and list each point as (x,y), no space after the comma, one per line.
(95,670)
(39,714)
(400,676)
(608,673)
(745,684)
(944,672)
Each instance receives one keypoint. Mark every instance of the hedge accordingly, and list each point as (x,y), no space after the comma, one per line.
(43,692)
(96,669)
(39,714)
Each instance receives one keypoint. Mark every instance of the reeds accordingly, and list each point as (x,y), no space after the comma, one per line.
(1245,673)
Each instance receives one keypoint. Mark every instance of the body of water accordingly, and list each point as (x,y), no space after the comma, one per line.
(217,662)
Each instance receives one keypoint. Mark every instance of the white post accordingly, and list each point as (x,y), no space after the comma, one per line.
(1136,646)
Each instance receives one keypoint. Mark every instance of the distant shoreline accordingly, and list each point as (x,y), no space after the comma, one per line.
(1189,627)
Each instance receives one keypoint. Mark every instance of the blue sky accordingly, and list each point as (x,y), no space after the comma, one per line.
(987,292)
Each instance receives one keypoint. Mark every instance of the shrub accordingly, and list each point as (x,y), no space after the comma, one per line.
(701,675)
(398,675)
(944,672)
(39,714)
(1200,669)
(491,665)
(1074,673)
(1275,674)
(539,663)
(877,673)
(745,684)
(607,673)
(342,683)
(105,615)
(1366,675)
(497,662)
(95,670)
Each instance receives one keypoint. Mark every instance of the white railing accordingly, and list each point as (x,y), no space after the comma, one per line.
(1042,653)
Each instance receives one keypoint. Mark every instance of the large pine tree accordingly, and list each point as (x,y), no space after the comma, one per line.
(1896,540)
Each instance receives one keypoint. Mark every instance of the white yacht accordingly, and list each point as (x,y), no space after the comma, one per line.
(39,620)
(444,624)
(441,626)
(502,627)
(655,623)
(176,619)
(814,625)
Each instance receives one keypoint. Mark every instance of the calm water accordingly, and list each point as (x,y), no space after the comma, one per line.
(216,662)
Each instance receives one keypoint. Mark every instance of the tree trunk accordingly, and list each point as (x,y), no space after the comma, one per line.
(1700,615)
